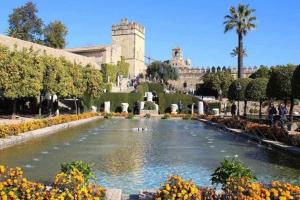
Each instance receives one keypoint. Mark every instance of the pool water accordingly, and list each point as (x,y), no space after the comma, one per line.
(131,160)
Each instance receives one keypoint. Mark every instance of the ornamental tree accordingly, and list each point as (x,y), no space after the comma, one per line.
(218,81)
(93,81)
(21,74)
(25,24)
(262,72)
(256,90)
(280,85)
(238,94)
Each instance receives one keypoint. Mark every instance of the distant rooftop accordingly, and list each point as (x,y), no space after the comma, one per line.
(87,48)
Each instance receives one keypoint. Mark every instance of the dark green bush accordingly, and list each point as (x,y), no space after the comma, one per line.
(150,87)
(165,101)
(230,169)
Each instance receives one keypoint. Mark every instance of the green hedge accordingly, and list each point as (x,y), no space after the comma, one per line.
(116,99)
(150,87)
(165,101)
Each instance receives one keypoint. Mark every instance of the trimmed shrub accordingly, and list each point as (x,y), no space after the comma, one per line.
(116,99)
(165,101)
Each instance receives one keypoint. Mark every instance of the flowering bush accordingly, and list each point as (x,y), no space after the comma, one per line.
(177,188)
(16,129)
(71,185)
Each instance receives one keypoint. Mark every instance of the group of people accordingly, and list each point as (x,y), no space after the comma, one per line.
(272,112)
(282,111)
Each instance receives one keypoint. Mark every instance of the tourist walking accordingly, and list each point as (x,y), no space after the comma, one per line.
(272,112)
(233,109)
(282,113)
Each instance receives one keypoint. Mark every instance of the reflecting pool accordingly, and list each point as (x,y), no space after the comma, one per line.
(131,160)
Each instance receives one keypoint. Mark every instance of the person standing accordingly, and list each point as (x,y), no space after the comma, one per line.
(272,112)
(282,114)
(233,109)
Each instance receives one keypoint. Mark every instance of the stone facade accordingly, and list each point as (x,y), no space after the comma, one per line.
(190,76)
(131,37)
(13,43)
(128,40)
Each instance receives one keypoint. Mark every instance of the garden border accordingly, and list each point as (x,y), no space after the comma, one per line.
(23,137)
(275,144)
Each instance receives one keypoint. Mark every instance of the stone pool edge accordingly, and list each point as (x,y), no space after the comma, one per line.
(271,143)
(23,137)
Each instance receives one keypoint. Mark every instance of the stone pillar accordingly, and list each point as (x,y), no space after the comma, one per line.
(156,108)
(94,109)
(192,111)
(125,107)
(200,108)
(174,108)
(107,106)
(142,105)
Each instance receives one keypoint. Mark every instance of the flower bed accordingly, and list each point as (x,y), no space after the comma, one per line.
(13,185)
(16,129)
(266,131)
(236,189)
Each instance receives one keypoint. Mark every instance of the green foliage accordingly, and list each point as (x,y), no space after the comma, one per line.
(149,105)
(212,105)
(187,117)
(108,115)
(257,89)
(150,87)
(147,116)
(218,81)
(165,101)
(25,24)
(79,85)
(234,94)
(81,166)
(280,83)
(262,72)
(162,71)
(57,79)
(230,169)
(94,83)
(55,34)
(166,116)
(116,99)
(20,73)
(111,71)
(296,82)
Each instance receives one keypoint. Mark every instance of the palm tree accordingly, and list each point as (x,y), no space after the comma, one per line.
(242,20)
(235,52)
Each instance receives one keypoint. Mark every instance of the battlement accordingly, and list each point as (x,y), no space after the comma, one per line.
(125,25)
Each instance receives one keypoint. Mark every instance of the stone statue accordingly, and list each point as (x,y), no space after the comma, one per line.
(125,107)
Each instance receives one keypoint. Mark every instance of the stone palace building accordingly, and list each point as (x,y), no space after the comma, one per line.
(128,41)
(190,76)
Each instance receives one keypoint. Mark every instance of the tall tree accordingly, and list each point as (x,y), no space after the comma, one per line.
(25,24)
(242,20)
(93,80)
(235,52)
(237,91)
(162,71)
(257,91)
(55,35)
(218,81)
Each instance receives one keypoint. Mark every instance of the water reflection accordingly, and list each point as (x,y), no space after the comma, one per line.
(132,160)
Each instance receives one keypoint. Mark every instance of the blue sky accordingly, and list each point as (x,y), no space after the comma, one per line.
(194,25)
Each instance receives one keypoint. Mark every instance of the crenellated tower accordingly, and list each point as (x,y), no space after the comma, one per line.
(131,37)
